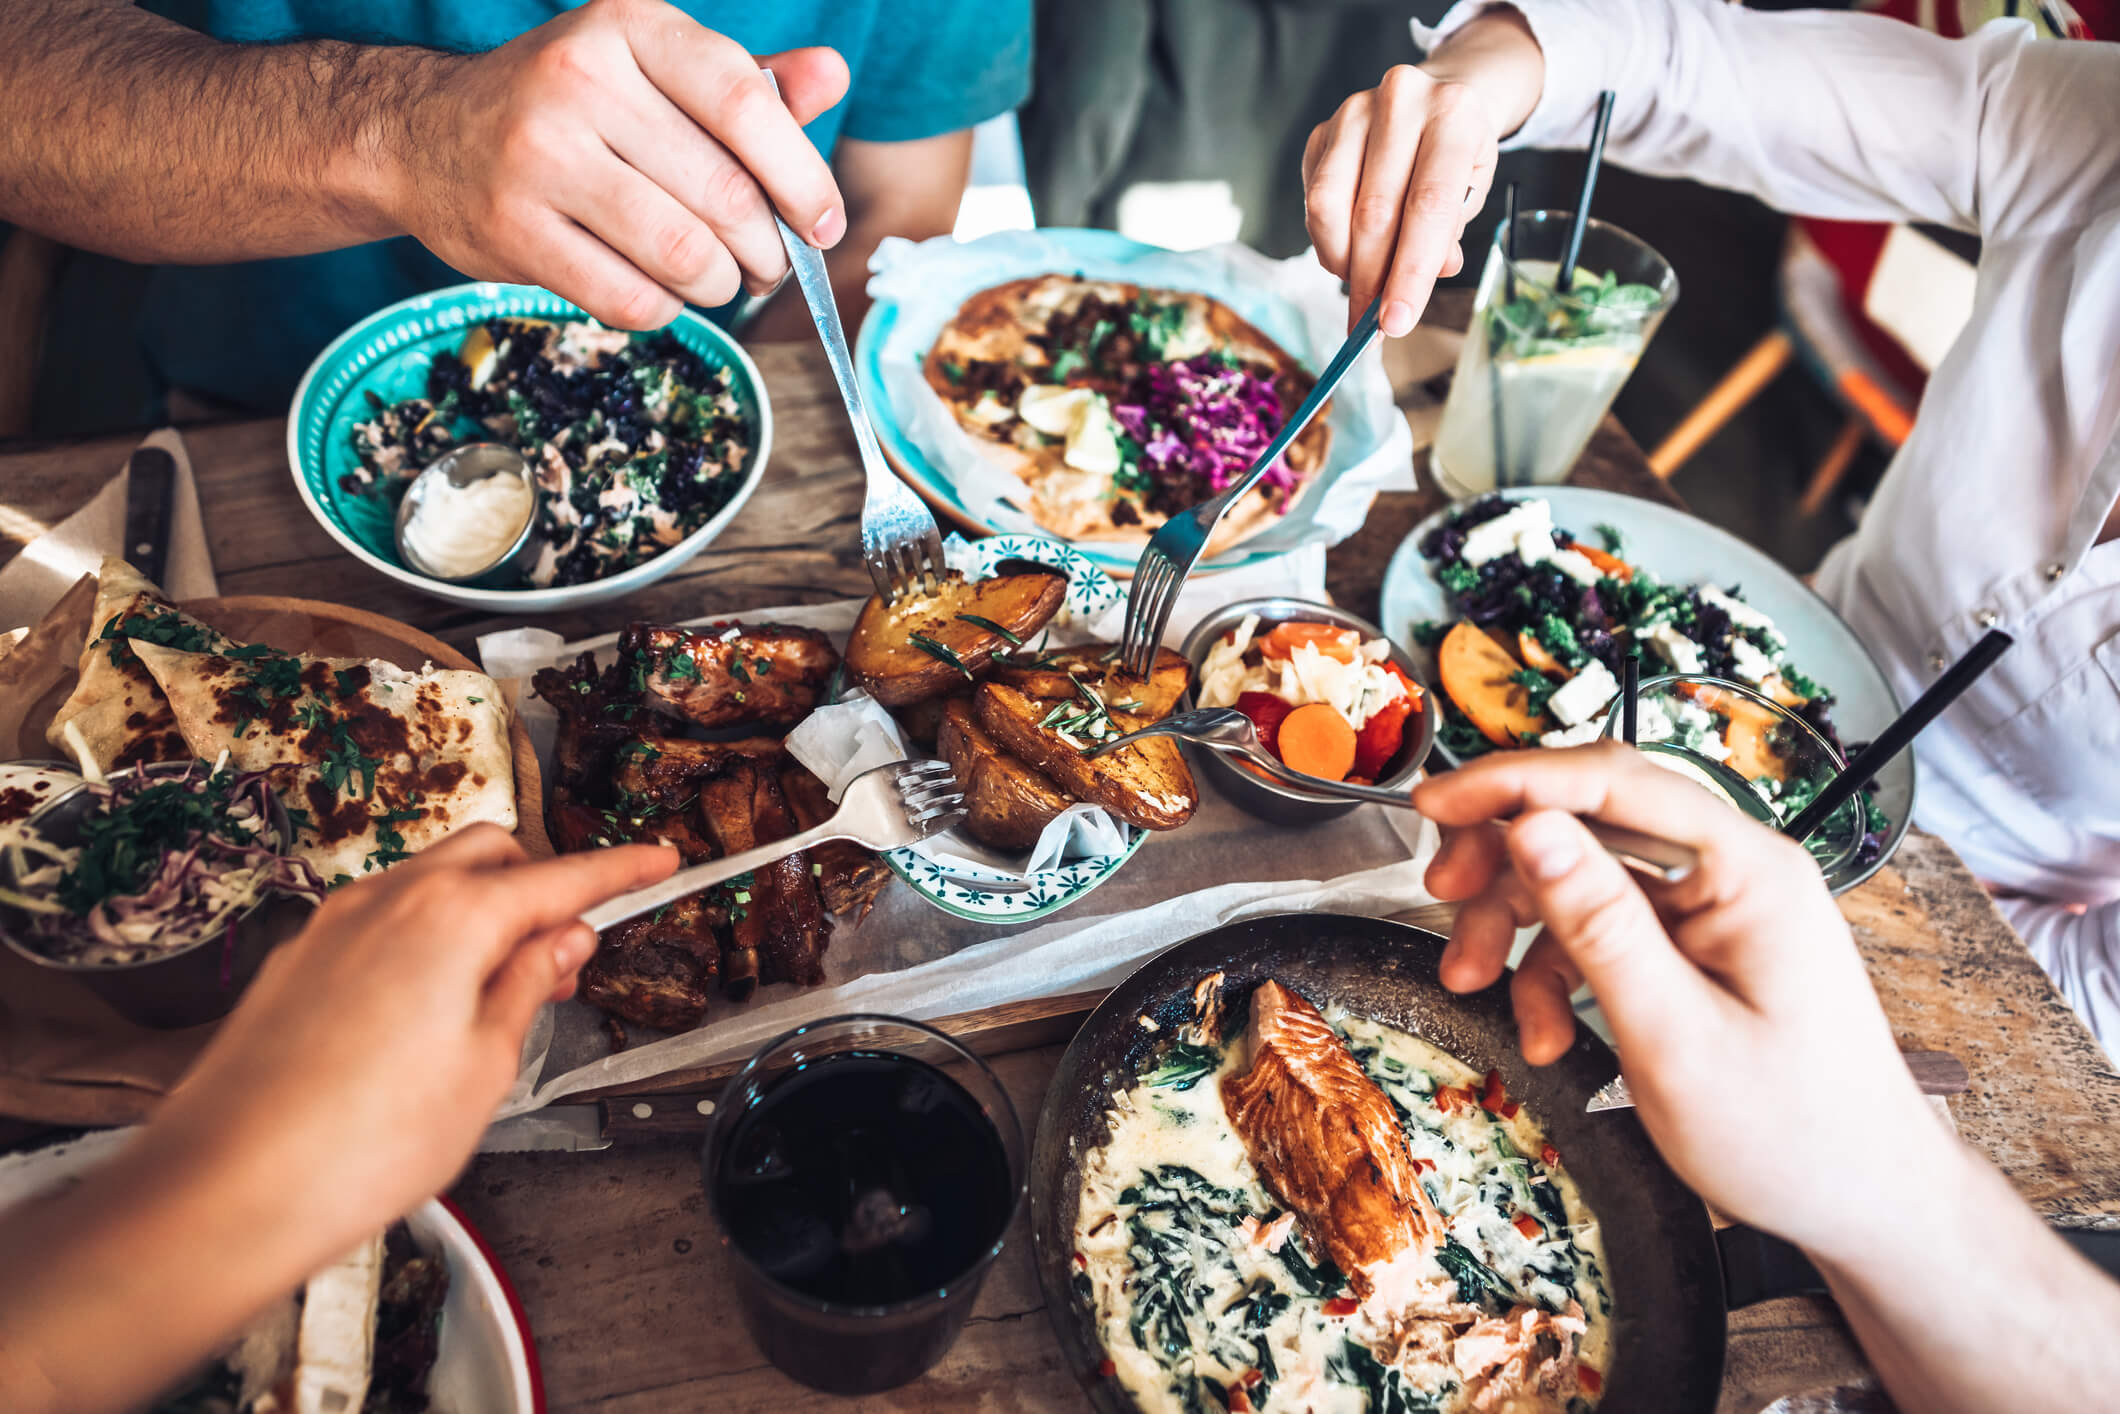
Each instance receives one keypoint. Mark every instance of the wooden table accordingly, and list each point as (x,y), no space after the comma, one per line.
(613,1252)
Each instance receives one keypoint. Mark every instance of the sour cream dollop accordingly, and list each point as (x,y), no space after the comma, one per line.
(461,530)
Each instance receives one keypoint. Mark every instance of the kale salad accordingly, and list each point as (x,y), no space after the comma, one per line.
(634,440)
(1546,619)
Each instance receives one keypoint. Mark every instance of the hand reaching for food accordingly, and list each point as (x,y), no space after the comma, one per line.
(350,1084)
(1390,180)
(623,156)
(1762,1064)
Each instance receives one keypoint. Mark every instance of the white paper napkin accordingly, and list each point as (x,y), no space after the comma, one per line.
(55,561)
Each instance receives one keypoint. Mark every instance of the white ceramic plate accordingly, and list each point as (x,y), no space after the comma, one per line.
(487,1363)
(1683,549)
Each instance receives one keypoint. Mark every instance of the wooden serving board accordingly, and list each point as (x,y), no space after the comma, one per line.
(65,1057)
(34,683)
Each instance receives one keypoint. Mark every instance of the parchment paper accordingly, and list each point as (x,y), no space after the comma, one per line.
(1295,302)
(911,959)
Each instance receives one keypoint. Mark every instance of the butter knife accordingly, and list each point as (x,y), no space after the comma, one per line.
(150,502)
(1936,1072)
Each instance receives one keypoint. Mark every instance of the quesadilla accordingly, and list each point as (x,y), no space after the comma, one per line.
(372,762)
(119,710)
(1120,406)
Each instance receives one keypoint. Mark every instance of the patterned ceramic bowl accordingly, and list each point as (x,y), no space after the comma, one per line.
(388,354)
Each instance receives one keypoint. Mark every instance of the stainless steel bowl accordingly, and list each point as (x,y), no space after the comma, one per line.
(185,986)
(1269,800)
(463,466)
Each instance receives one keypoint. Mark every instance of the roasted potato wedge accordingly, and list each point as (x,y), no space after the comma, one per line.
(1053,674)
(1006,802)
(1146,784)
(922,720)
(885,653)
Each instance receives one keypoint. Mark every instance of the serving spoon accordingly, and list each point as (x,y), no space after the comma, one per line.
(1230,732)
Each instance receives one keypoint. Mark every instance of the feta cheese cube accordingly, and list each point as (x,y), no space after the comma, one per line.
(1652,722)
(1506,531)
(1741,613)
(1581,734)
(1583,696)
(1576,565)
(1681,652)
(1748,662)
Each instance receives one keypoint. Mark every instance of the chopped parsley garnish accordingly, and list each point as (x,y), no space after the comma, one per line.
(344,761)
(953,370)
(1068,361)
(166,629)
(1538,688)
(678,666)
(1615,543)
(1429,633)
(348,680)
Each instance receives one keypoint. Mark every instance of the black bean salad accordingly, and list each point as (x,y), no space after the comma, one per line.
(636,442)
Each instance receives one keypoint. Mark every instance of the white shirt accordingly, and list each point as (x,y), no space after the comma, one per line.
(1990,513)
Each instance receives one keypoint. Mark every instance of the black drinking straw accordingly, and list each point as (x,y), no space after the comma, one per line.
(1894,738)
(1630,686)
(1509,242)
(1566,281)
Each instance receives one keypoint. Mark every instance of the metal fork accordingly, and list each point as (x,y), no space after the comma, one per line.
(1230,732)
(898,804)
(900,543)
(1173,550)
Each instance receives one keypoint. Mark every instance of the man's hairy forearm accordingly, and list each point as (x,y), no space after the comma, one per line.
(124,133)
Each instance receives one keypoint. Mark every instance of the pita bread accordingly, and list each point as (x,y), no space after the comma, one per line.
(1013,332)
(373,762)
(121,713)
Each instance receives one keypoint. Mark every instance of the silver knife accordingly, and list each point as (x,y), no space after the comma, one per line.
(1936,1072)
(150,499)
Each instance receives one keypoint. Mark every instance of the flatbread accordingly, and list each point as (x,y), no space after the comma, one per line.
(121,713)
(1008,324)
(373,762)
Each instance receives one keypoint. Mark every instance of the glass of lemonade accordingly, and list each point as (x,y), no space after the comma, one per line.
(1747,750)
(1540,366)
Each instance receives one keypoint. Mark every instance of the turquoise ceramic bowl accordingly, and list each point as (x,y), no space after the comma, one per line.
(388,354)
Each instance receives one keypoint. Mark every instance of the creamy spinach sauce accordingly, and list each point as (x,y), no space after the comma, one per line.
(1208,1297)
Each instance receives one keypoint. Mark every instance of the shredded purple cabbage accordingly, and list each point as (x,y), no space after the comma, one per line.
(1200,423)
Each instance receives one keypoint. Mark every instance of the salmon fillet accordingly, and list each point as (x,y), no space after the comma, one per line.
(1325,1138)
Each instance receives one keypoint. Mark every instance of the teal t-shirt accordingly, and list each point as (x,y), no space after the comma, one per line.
(244,333)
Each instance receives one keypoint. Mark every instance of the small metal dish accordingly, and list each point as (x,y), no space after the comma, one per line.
(1269,800)
(463,466)
(185,986)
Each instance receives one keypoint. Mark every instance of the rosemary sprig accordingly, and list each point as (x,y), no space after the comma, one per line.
(991,627)
(942,652)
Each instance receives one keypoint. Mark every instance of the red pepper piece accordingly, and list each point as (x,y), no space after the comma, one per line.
(1588,1377)
(1239,1402)
(1492,1097)
(1266,712)
(1549,1156)
(1082,1261)
(1107,1367)
(1342,1306)
(1423,1165)
(1527,1225)
(1509,1109)
(1380,738)
(1250,1379)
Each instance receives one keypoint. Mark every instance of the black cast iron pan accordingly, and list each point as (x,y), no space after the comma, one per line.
(1671,1287)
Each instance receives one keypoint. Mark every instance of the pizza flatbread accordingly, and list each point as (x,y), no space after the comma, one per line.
(1064,332)
(373,762)
(121,713)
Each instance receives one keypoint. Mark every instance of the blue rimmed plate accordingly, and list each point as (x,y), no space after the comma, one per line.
(1107,254)
(388,354)
(987,896)
(1679,548)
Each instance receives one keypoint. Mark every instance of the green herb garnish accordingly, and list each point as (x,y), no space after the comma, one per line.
(941,652)
(991,627)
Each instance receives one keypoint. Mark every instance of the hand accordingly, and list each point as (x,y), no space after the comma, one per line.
(624,157)
(370,1053)
(1758,1057)
(1390,180)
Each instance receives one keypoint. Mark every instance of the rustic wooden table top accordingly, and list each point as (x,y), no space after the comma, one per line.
(614,1253)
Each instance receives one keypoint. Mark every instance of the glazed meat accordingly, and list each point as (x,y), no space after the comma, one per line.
(780,932)
(848,876)
(1325,1138)
(592,725)
(726,675)
(659,970)
(408,1325)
